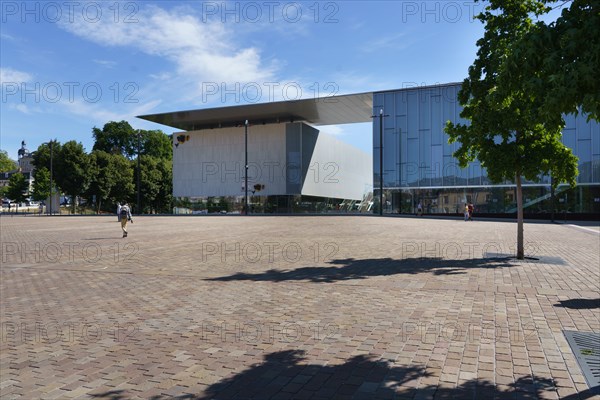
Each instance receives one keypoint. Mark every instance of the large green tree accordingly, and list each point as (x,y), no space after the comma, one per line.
(6,163)
(41,185)
(164,200)
(151,180)
(115,138)
(123,188)
(103,176)
(508,130)
(72,170)
(18,188)
(44,155)
(121,138)
(156,144)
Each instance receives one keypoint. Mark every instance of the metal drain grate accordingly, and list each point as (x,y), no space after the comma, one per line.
(586,347)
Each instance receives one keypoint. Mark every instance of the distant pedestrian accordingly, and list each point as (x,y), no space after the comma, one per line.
(119,212)
(471,209)
(125,214)
(420,209)
(9,205)
(466,212)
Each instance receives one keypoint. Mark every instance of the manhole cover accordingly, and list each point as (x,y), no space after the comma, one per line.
(586,347)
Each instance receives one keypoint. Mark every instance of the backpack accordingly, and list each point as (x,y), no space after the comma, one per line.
(124,212)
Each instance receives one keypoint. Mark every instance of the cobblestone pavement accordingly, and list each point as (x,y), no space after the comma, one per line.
(293,307)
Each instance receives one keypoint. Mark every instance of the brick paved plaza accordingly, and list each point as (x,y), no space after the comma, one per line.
(293,307)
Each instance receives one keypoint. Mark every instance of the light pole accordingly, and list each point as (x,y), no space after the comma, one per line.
(51,171)
(380,158)
(551,199)
(139,208)
(246,166)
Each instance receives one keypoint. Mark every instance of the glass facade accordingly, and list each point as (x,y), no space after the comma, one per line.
(280,204)
(418,165)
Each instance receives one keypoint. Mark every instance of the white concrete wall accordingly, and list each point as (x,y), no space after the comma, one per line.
(211,162)
(338,169)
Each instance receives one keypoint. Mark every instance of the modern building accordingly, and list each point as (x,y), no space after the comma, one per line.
(418,165)
(292,166)
(286,152)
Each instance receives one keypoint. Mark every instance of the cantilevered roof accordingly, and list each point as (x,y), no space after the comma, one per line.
(333,110)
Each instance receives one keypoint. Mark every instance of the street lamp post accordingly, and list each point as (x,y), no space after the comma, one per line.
(380,159)
(551,199)
(246,166)
(139,208)
(51,171)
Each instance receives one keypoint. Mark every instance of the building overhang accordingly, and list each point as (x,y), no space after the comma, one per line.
(333,110)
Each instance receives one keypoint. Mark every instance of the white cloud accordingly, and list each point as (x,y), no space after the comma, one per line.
(21,108)
(106,63)
(391,42)
(13,76)
(103,115)
(202,52)
(6,36)
(333,130)
(163,76)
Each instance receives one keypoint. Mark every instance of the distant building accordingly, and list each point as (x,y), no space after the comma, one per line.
(25,166)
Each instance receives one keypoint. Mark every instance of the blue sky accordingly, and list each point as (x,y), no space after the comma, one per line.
(66,67)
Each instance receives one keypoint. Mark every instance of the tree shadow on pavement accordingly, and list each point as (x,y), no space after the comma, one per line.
(579,304)
(286,375)
(350,268)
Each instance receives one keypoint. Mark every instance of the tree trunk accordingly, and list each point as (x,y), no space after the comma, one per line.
(520,249)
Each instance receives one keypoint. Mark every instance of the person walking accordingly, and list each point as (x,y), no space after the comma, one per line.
(125,214)
(466,212)
(420,209)
(119,212)
(471,209)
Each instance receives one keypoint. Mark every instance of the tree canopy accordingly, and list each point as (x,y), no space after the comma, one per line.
(560,60)
(6,163)
(72,169)
(115,138)
(121,138)
(41,185)
(107,174)
(18,188)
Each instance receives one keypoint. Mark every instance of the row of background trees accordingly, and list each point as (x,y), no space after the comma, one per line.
(108,174)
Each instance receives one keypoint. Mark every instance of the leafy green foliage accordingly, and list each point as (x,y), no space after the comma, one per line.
(560,60)
(42,156)
(156,144)
(115,138)
(123,188)
(150,182)
(18,187)
(6,163)
(41,184)
(164,201)
(155,147)
(102,174)
(72,169)
(121,138)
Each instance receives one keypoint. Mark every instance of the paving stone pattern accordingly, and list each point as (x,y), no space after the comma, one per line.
(333,307)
